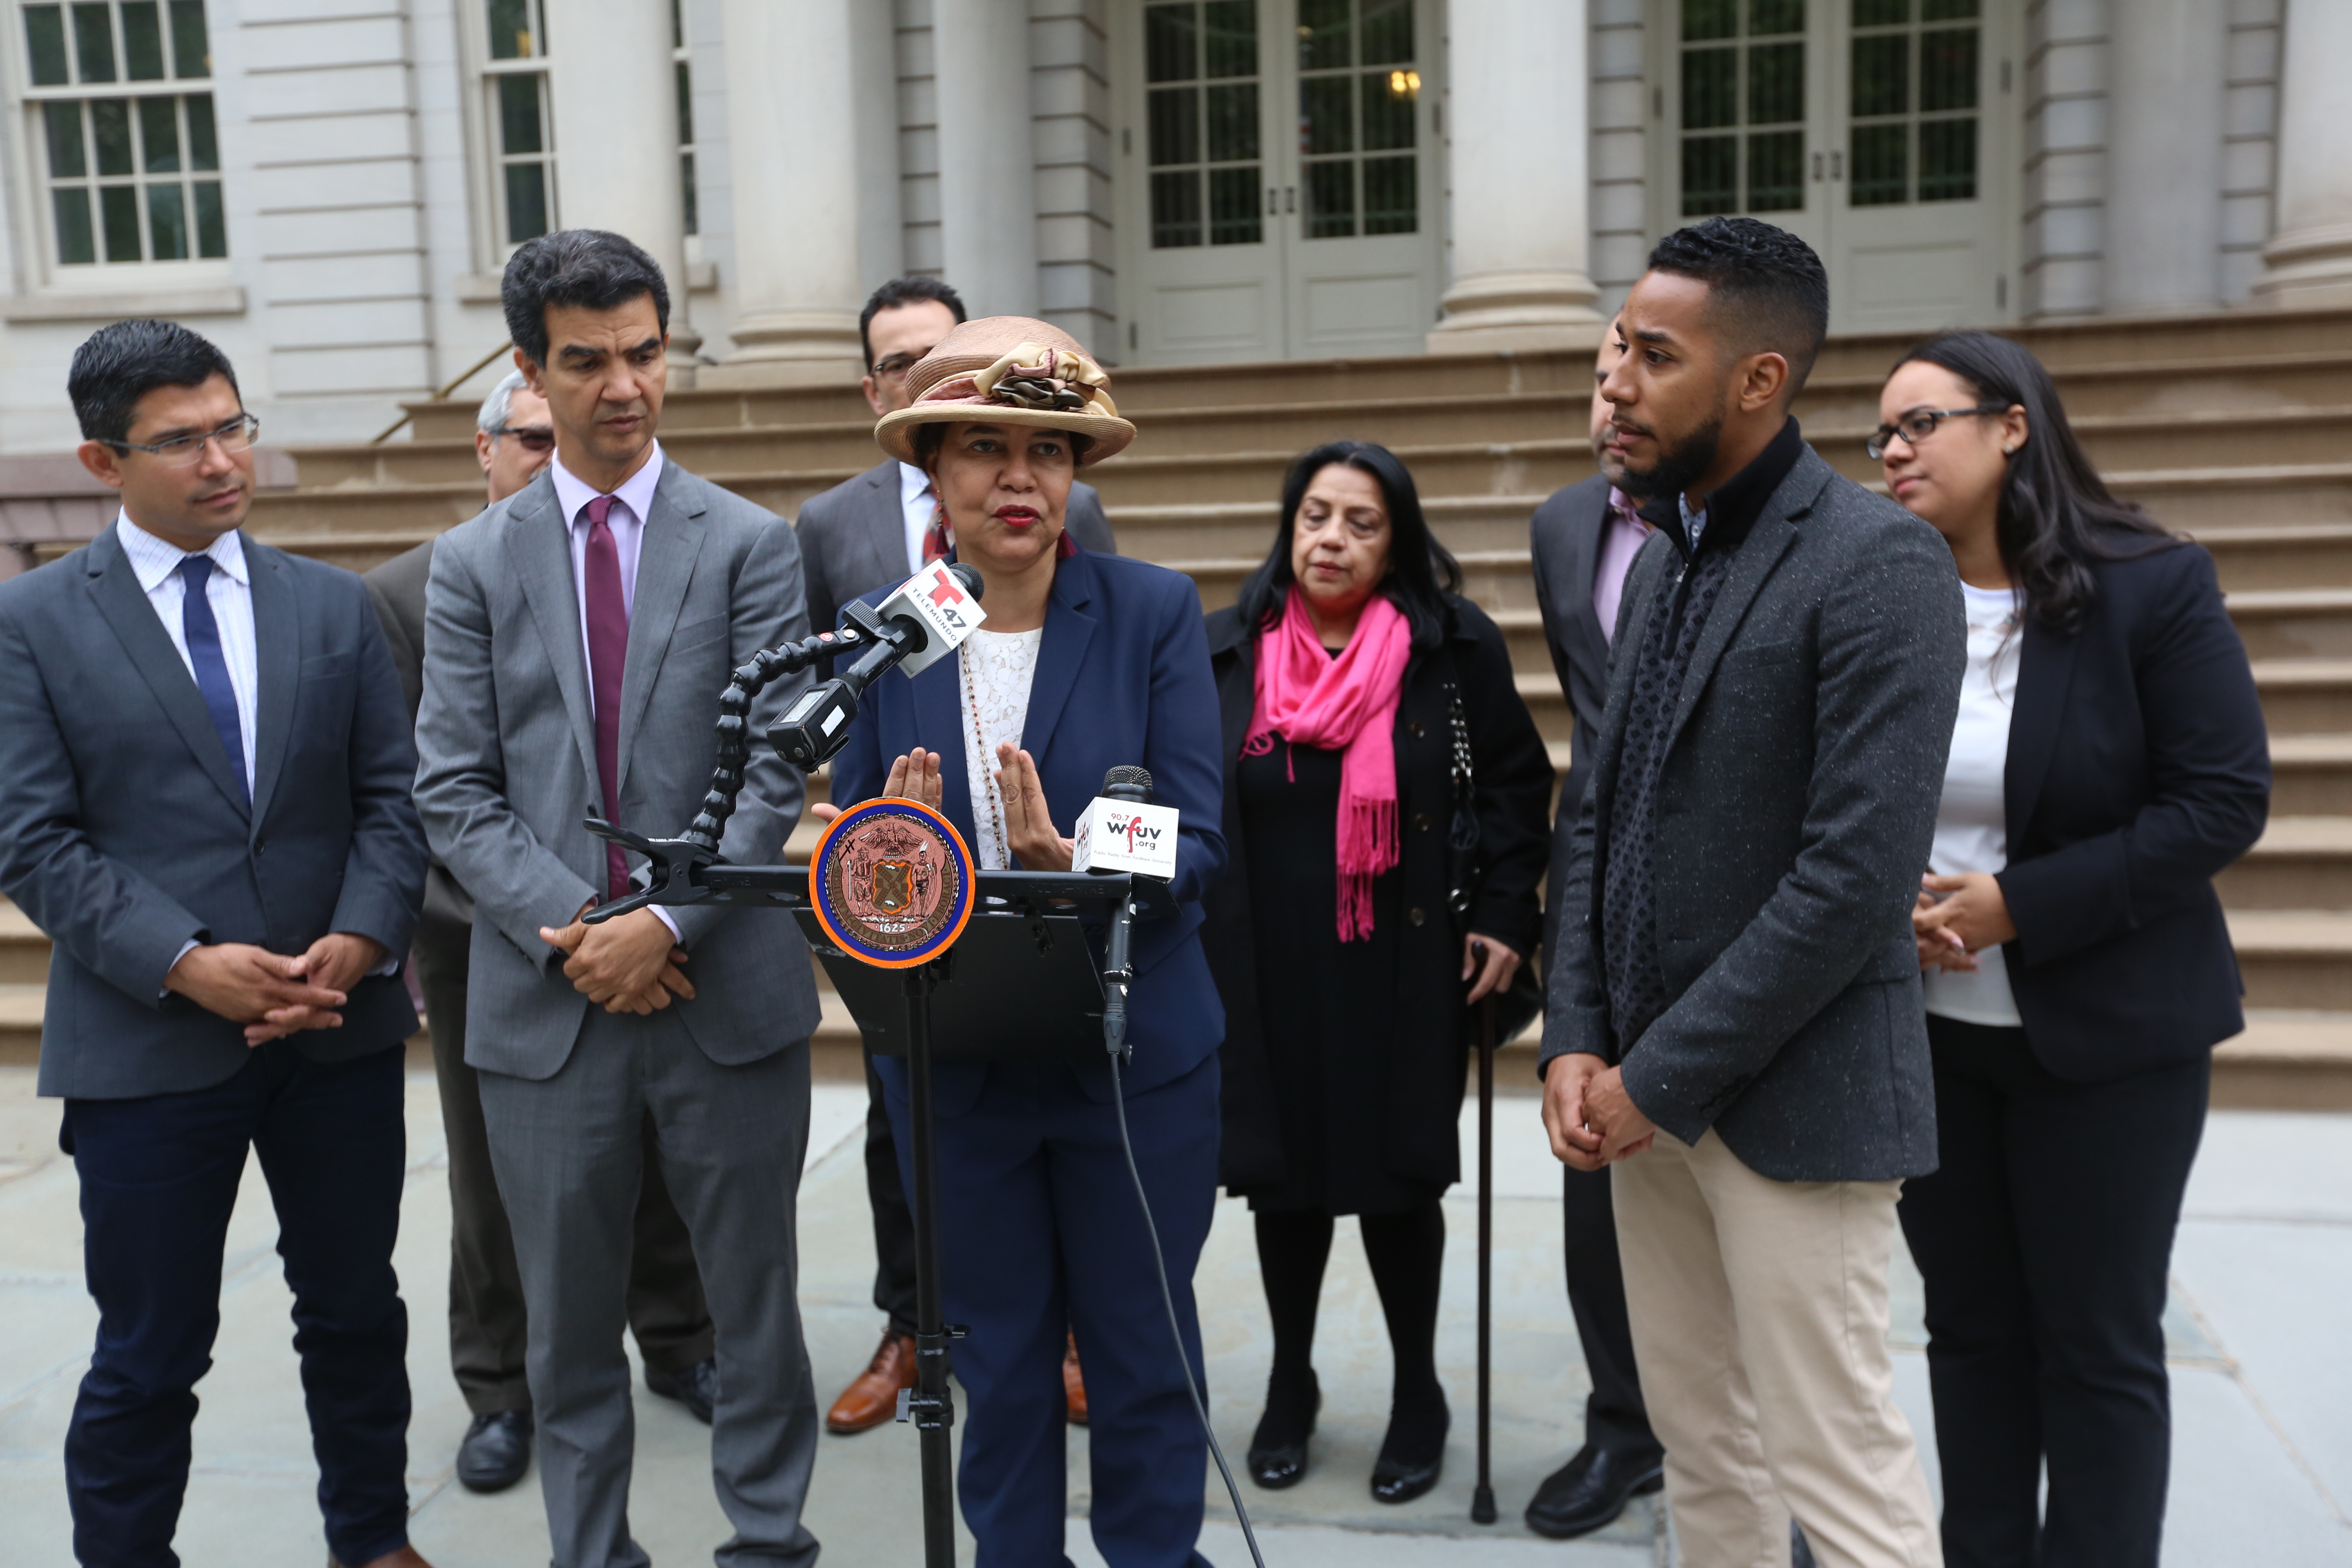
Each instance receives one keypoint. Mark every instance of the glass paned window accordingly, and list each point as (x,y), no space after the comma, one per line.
(1912,108)
(685,116)
(1743,106)
(132,168)
(522,128)
(1359,94)
(1201,119)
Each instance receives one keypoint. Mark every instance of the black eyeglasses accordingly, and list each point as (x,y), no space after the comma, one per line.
(534,438)
(895,367)
(1919,423)
(234,439)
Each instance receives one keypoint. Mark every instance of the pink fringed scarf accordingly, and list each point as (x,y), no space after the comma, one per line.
(1347,704)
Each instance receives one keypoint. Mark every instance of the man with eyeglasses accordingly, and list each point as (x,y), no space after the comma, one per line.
(514,438)
(865,533)
(206,808)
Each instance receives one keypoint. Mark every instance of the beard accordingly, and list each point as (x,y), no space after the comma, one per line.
(1678,466)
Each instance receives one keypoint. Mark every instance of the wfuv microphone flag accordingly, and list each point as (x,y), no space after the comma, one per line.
(934,598)
(1120,830)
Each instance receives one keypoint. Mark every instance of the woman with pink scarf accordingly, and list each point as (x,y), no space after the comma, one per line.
(1344,676)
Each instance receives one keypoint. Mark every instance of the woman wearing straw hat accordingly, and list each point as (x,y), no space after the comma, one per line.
(1086,662)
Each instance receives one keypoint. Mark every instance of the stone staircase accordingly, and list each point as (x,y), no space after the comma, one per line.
(2236,429)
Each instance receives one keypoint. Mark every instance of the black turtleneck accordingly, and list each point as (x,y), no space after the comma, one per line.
(1736,504)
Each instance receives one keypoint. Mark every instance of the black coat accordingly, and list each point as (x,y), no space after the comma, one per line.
(2138,767)
(1420,1105)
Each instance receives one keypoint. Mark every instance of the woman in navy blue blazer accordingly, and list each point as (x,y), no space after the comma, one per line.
(1086,662)
(2109,758)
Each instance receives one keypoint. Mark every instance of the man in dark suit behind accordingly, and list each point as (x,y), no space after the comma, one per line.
(487,1326)
(865,533)
(206,807)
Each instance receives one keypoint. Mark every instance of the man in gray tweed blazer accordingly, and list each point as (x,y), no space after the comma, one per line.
(577,638)
(1734,1006)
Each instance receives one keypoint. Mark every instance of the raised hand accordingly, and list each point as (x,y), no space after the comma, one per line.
(914,776)
(1028,822)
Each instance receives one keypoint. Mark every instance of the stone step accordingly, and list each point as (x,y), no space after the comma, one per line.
(24,949)
(2281,556)
(20,1024)
(2299,863)
(2306,696)
(2294,958)
(2286,1060)
(2294,622)
(2311,776)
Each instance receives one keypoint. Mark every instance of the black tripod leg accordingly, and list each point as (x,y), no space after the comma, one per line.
(1482,1499)
(931,1406)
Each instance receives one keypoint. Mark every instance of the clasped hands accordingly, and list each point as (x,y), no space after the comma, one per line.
(630,963)
(1029,829)
(274,995)
(1956,918)
(1591,1119)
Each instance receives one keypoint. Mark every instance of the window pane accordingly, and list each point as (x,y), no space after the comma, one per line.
(677,26)
(1392,195)
(1710,89)
(1331,199)
(1322,34)
(67,160)
(1776,172)
(1948,160)
(1946,10)
(1389,98)
(143,41)
(1232,207)
(1882,74)
(1710,175)
(1767,17)
(685,105)
(1776,84)
(1171,45)
(1233,123)
(94,43)
(1881,13)
(1947,69)
(76,246)
(192,49)
(203,147)
(685,188)
(1387,33)
(211,229)
(510,30)
(1175,210)
(167,223)
(1175,118)
(1882,175)
(44,45)
(1710,19)
(1229,37)
(519,115)
(159,134)
(118,207)
(1326,122)
(526,202)
(109,120)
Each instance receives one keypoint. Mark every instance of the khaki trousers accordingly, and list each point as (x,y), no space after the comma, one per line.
(1759,1327)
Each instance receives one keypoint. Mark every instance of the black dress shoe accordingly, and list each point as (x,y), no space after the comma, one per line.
(1277,1454)
(1591,1490)
(495,1451)
(1412,1456)
(697,1387)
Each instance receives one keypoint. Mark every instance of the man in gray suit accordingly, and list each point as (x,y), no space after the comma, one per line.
(866,533)
(487,1325)
(577,637)
(1734,1007)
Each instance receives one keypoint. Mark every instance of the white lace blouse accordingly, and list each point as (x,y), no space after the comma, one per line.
(995,672)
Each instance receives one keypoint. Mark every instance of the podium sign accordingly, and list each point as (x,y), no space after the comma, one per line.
(891,883)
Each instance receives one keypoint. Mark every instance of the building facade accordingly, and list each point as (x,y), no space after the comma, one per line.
(330,187)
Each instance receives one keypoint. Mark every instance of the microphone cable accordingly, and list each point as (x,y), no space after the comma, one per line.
(1168,1301)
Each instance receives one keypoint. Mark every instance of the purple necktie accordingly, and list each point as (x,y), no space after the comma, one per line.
(608,650)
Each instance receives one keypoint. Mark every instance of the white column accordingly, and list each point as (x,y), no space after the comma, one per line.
(792,128)
(2166,61)
(2310,255)
(988,177)
(1519,172)
(613,98)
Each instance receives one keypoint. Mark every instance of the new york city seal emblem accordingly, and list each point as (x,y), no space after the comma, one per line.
(891,883)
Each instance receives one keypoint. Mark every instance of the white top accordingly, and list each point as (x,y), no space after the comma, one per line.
(914,500)
(230,592)
(996,670)
(631,504)
(1972,827)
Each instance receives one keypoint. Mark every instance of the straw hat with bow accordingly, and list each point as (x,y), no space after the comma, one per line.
(1008,370)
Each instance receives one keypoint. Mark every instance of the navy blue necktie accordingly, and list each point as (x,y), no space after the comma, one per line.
(203,636)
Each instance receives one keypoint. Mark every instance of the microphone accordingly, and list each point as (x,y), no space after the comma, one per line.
(925,619)
(1123,831)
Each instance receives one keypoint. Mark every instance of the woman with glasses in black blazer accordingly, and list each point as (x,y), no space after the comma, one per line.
(2109,758)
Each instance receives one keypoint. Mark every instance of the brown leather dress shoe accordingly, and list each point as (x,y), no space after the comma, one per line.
(873,1397)
(1074,1386)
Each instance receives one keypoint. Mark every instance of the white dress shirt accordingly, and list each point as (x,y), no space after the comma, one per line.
(1972,823)
(920,506)
(229,590)
(631,504)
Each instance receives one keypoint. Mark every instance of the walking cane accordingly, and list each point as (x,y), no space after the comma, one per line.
(1481,1497)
